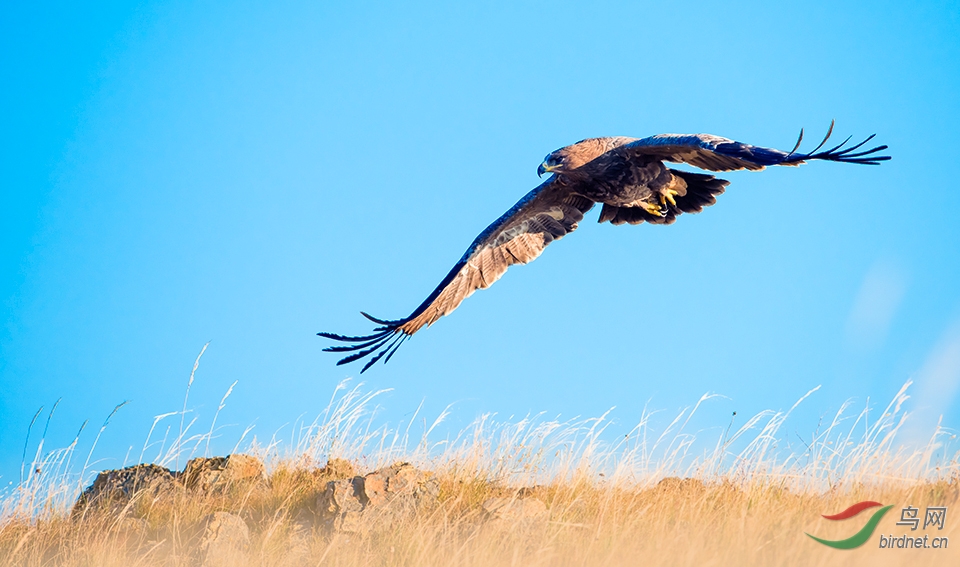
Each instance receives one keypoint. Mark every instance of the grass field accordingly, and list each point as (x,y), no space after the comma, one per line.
(650,498)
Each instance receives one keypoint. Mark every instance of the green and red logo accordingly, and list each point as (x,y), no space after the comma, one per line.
(861,537)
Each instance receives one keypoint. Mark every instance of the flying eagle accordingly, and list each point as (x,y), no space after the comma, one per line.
(626,175)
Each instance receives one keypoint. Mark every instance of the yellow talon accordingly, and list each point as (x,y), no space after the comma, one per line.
(654,209)
(668,196)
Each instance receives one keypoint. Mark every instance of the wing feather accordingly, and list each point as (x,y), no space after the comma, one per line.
(519,236)
(714,153)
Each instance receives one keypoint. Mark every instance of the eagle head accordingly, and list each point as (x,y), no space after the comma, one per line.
(571,157)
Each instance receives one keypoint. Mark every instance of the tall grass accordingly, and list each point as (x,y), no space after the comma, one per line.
(752,494)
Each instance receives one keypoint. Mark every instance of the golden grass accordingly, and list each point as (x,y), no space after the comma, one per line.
(610,503)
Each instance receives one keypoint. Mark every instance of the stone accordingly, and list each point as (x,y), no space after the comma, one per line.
(396,493)
(114,489)
(215,474)
(341,504)
(401,483)
(384,496)
(225,541)
(337,469)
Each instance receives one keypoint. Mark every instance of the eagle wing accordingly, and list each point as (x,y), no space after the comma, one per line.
(543,215)
(715,153)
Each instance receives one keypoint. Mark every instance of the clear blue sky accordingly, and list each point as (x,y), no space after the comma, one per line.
(251,173)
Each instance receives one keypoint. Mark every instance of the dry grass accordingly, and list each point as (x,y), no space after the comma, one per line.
(743,502)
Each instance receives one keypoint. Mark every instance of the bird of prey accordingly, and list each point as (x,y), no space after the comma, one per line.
(626,175)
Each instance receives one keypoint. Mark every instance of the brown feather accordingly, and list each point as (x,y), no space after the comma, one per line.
(550,215)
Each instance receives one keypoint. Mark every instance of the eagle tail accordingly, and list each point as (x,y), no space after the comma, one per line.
(702,191)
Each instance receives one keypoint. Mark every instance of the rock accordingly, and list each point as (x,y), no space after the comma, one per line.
(396,493)
(114,489)
(517,512)
(337,469)
(403,484)
(217,473)
(225,541)
(342,503)
(383,496)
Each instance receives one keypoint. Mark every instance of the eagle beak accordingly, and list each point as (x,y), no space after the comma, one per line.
(544,168)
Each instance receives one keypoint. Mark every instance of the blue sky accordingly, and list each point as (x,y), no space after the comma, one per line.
(251,173)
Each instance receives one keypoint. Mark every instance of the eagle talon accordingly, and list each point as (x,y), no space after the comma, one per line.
(655,210)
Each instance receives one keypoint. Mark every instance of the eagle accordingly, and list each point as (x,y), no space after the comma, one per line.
(627,176)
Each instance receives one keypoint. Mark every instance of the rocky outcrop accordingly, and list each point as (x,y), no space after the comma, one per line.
(216,474)
(385,495)
(337,469)
(401,485)
(354,504)
(115,489)
(342,504)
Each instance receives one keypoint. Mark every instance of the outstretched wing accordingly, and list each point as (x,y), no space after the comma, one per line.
(714,153)
(545,214)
